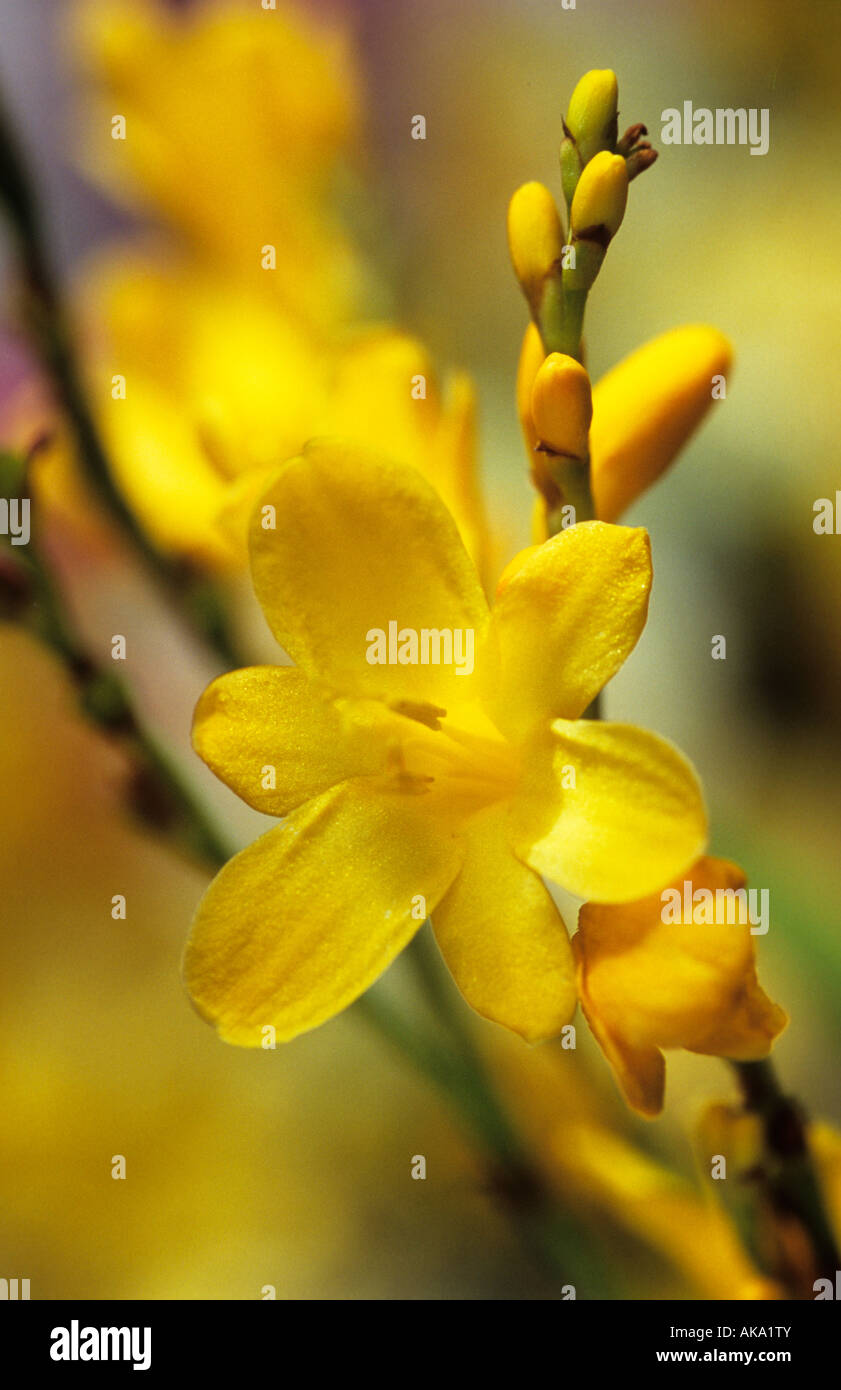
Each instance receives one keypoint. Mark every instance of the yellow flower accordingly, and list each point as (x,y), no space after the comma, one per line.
(582,1146)
(222,386)
(647,984)
(236,119)
(645,409)
(415,788)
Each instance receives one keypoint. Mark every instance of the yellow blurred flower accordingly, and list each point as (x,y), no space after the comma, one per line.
(237,120)
(644,410)
(662,1209)
(414,785)
(221,386)
(647,984)
(605,1177)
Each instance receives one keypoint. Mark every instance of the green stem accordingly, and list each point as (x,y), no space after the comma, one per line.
(157,795)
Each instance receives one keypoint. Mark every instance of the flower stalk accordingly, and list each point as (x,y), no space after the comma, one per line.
(786,1180)
(47,324)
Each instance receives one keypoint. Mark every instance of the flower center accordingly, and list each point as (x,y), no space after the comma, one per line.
(459,754)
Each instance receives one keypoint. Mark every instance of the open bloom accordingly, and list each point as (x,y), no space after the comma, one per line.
(414,787)
(647,983)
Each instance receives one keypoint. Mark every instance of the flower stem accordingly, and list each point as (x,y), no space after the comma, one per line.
(788,1174)
(46,321)
(156,795)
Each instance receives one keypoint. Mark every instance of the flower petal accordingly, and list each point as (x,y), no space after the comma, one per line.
(298,925)
(362,542)
(608,811)
(270,724)
(646,408)
(647,984)
(566,617)
(503,937)
(164,475)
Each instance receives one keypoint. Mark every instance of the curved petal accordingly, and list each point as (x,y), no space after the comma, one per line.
(268,734)
(298,925)
(361,542)
(567,615)
(503,937)
(646,408)
(608,811)
(647,983)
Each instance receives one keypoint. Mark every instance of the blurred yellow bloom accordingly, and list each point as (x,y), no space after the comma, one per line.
(663,1210)
(645,409)
(415,787)
(600,1172)
(647,984)
(752,1198)
(236,122)
(222,386)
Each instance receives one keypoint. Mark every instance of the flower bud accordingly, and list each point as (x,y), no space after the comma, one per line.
(561,406)
(535,238)
(601,196)
(532,357)
(591,117)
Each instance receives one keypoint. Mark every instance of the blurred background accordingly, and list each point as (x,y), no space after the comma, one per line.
(291,1168)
